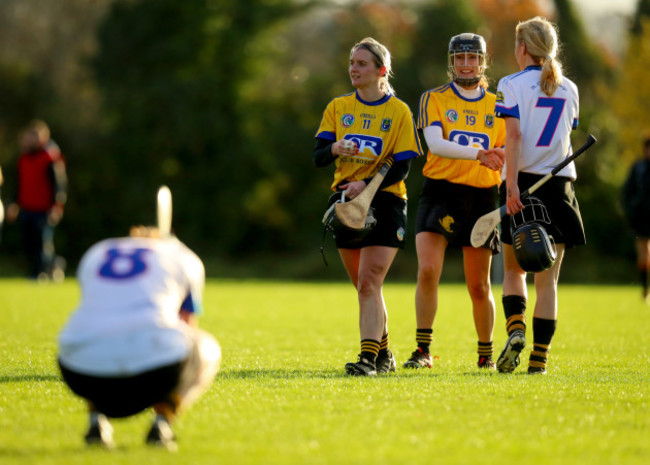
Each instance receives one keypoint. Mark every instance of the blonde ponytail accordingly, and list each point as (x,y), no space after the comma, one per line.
(551,76)
(542,44)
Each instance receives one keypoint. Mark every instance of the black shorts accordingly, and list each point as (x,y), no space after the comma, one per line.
(125,396)
(640,225)
(452,209)
(390,230)
(559,198)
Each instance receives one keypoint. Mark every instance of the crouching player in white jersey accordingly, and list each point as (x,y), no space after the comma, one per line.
(133,342)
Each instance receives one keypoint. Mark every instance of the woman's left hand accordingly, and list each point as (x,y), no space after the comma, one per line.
(513,199)
(353,189)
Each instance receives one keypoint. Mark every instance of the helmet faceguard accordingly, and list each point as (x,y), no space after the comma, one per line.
(534,249)
(534,211)
(467,44)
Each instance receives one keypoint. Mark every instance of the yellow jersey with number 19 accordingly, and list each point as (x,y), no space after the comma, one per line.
(465,122)
(380,129)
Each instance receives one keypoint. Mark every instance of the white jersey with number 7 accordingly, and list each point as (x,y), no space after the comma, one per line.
(545,122)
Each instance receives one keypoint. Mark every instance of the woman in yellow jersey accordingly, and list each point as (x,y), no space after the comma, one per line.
(382,128)
(461,180)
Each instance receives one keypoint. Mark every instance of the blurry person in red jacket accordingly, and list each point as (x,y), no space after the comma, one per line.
(38,204)
(45,139)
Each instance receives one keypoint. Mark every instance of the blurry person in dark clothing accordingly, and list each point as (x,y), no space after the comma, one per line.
(2,208)
(41,194)
(636,204)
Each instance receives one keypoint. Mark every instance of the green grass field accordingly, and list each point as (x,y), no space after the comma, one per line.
(282,397)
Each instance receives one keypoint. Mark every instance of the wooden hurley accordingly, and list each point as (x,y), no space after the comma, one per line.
(164,211)
(353,213)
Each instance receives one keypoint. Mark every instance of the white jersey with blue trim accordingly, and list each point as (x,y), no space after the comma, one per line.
(128,318)
(545,122)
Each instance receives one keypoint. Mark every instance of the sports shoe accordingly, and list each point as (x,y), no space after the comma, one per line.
(486,363)
(363,367)
(509,358)
(100,433)
(536,370)
(385,362)
(161,435)
(419,359)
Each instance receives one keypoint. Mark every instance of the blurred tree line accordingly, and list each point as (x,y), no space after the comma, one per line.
(220,100)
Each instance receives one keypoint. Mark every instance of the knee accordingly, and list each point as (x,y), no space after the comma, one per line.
(480,291)
(370,281)
(367,288)
(546,285)
(427,275)
(514,275)
(209,350)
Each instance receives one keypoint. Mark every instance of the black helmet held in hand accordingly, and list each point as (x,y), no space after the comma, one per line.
(534,249)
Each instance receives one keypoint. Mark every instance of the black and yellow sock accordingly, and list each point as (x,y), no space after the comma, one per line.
(485,349)
(369,349)
(514,307)
(383,345)
(424,338)
(543,331)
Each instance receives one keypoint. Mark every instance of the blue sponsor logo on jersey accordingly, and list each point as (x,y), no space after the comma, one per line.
(347,120)
(469,138)
(452,116)
(367,144)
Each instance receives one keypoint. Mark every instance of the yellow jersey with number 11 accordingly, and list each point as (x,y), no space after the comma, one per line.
(381,130)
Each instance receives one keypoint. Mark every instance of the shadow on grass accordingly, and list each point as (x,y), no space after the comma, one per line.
(38,452)
(336,373)
(279,373)
(492,373)
(306,373)
(35,454)
(29,378)
(296,373)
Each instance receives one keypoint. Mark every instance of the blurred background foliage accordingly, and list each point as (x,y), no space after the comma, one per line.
(220,100)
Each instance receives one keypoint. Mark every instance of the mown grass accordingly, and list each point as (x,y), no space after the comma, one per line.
(281,396)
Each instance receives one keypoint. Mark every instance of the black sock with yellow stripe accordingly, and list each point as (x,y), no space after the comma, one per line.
(369,349)
(543,331)
(514,307)
(424,338)
(383,345)
(485,349)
